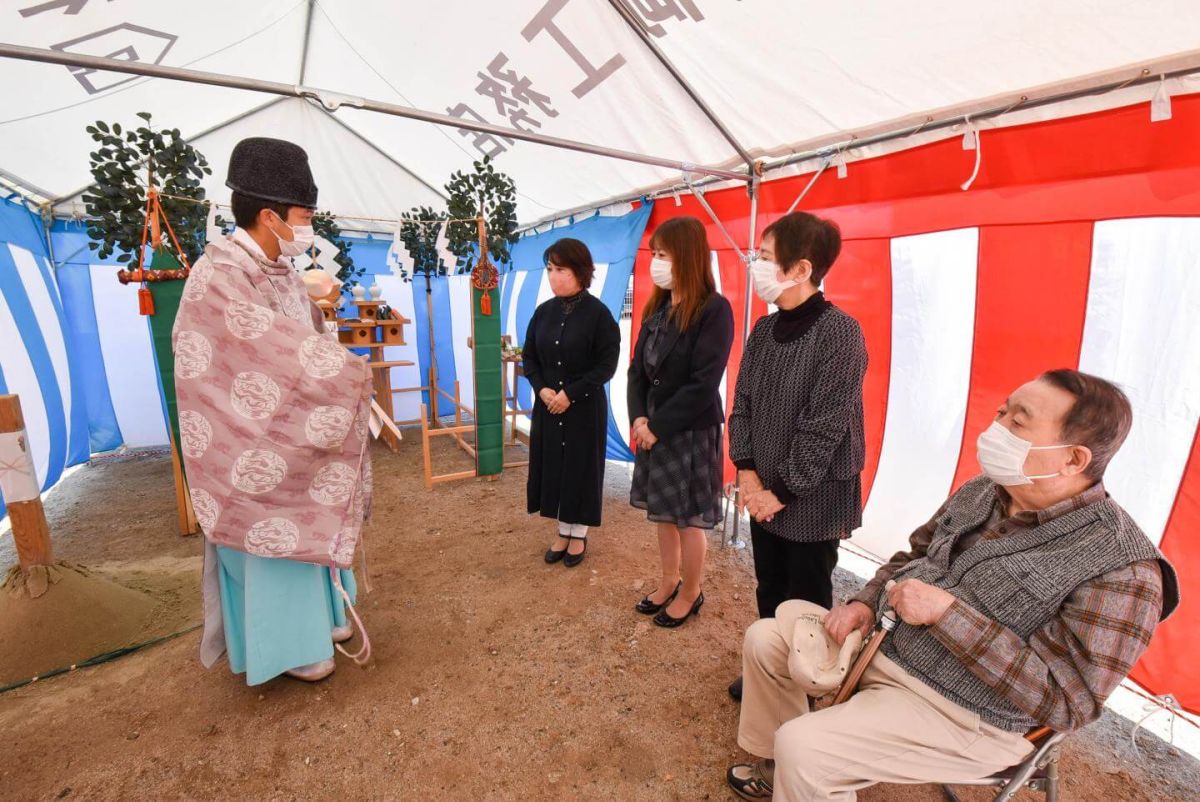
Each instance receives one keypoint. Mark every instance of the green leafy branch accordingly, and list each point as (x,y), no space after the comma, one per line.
(116,203)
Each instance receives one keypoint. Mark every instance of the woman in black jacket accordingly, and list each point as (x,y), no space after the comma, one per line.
(570,353)
(677,412)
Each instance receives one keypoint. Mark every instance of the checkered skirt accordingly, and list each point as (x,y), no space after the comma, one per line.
(678,481)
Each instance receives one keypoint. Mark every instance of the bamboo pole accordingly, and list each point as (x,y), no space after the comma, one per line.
(425,450)
(453,477)
(188,525)
(432,348)
(30,531)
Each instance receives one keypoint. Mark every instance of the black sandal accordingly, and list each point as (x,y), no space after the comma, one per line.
(647,607)
(750,781)
(572,560)
(664,619)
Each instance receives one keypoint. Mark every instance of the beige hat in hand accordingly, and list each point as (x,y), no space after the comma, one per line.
(815,661)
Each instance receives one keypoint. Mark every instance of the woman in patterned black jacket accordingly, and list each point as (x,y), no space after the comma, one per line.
(796,430)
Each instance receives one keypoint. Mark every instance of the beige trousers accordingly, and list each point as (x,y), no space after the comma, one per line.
(895,729)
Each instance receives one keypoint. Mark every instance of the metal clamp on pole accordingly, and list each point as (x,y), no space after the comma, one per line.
(330,100)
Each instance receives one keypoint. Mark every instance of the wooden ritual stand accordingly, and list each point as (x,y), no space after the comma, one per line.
(512,402)
(432,426)
(369,330)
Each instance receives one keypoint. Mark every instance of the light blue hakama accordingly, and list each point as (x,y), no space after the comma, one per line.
(277,614)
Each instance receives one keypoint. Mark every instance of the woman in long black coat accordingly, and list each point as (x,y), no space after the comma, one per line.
(570,353)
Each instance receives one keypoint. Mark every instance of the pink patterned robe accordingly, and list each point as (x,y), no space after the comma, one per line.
(273,415)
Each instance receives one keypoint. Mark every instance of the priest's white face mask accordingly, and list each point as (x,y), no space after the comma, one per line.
(302,236)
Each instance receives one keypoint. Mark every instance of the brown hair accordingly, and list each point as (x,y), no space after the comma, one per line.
(1100,418)
(573,255)
(801,235)
(691,266)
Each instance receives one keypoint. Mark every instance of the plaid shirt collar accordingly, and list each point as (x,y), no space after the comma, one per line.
(1094,494)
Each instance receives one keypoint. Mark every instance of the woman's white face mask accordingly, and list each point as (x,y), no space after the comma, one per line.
(661,273)
(1002,456)
(767,284)
(301,241)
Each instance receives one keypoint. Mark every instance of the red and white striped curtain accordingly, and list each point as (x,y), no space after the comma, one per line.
(1077,246)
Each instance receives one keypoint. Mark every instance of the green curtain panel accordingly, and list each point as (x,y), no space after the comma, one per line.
(166,306)
(489,417)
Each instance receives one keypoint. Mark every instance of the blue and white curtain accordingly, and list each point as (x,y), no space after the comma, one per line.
(76,350)
(613,242)
(37,357)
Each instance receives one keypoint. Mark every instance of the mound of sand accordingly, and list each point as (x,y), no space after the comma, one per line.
(63,614)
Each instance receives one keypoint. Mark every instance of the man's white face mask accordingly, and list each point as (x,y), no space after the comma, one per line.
(767,285)
(301,241)
(1002,455)
(660,273)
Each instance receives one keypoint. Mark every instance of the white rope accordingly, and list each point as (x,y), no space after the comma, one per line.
(976,143)
(18,479)
(1157,704)
(1160,102)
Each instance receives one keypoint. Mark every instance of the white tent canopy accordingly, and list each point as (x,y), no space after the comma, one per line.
(778,75)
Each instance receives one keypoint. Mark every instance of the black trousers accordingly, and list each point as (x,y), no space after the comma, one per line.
(786,570)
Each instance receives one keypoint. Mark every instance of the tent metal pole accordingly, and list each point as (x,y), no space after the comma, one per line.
(334,100)
(747,311)
(639,28)
(194,137)
(827,148)
(47,215)
(440,193)
(962,115)
(25,186)
(308,21)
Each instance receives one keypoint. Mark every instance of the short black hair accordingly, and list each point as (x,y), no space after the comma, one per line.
(801,235)
(573,255)
(246,209)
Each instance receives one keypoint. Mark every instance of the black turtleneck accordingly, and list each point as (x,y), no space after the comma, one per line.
(793,324)
(569,302)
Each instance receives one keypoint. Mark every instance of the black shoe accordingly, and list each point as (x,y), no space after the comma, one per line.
(647,607)
(553,556)
(735,689)
(665,620)
(572,560)
(752,780)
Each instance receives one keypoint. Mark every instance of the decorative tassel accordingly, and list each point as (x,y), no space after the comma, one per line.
(145,301)
(485,304)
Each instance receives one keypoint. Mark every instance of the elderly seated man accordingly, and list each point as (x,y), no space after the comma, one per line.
(1022,603)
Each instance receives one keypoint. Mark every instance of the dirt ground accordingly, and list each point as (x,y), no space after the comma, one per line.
(495,677)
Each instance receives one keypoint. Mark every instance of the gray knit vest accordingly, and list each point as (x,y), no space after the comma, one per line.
(1019,581)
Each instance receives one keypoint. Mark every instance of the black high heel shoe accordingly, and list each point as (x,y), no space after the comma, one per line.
(572,560)
(647,607)
(665,620)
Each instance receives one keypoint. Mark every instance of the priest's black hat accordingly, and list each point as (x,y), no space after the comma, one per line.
(273,170)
